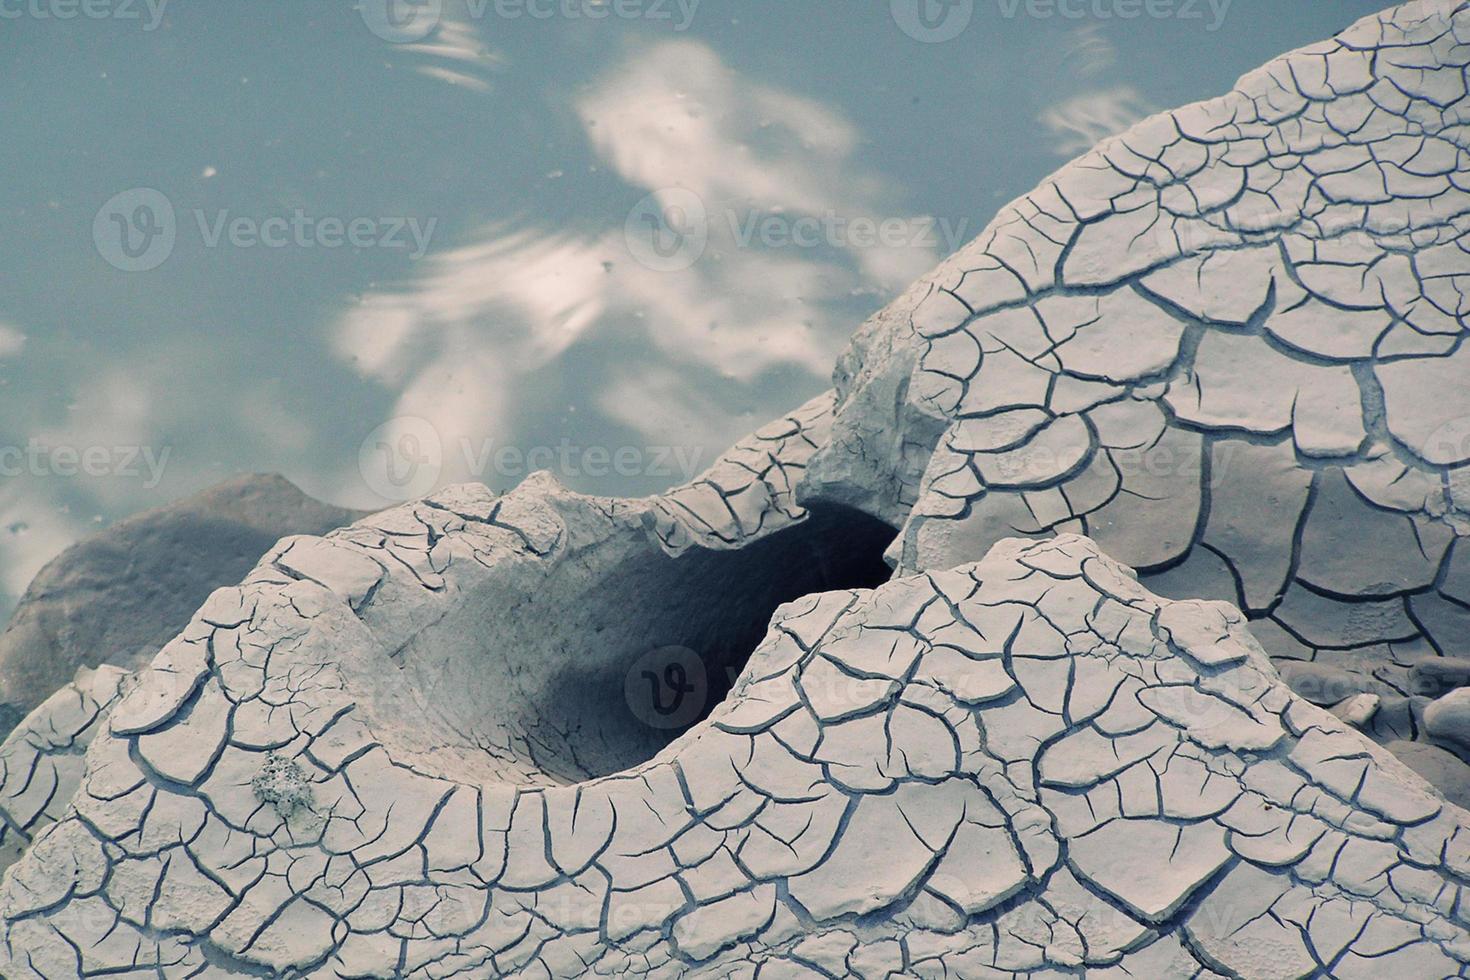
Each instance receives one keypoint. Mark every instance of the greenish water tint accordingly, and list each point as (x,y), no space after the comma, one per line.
(383,246)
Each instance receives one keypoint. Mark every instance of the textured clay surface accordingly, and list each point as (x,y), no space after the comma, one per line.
(1229,345)
(1025,764)
(451,740)
(119,596)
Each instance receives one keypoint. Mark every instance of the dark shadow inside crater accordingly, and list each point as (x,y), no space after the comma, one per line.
(666,653)
(594,663)
(619,648)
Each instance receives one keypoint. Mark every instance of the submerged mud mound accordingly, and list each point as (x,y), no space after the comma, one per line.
(117,597)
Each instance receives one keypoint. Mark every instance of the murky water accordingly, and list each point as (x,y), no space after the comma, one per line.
(384,246)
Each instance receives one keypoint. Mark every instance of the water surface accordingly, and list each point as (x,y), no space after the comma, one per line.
(377,254)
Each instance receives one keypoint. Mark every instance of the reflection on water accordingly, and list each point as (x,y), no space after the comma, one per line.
(328,238)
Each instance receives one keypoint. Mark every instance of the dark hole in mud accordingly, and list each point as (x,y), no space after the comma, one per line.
(682,630)
(611,654)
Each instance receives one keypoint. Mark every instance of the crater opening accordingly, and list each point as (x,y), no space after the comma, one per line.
(596,665)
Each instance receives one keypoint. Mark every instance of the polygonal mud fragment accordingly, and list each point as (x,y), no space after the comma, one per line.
(922,813)
(41,762)
(117,597)
(393,751)
(1227,344)
(1149,866)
